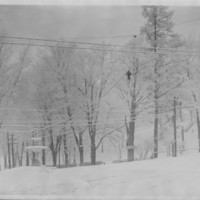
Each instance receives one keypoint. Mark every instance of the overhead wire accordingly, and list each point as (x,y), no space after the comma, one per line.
(111,50)
(92,43)
(101,122)
(106,50)
(71,47)
(119,112)
(66,120)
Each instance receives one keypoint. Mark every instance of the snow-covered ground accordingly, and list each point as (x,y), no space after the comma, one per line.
(167,178)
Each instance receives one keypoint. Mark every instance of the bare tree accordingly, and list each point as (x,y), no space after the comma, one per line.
(133,89)
(191,74)
(44,99)
(10,76)
(91,82)
(20,153)
(63,60)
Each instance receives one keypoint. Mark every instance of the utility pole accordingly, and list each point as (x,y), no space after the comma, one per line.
(43,151)
(182,128)
(175,136)
(27,156)
(8,141)
(12,149)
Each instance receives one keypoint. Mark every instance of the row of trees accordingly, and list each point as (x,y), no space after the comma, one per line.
(68,92)
(74,89)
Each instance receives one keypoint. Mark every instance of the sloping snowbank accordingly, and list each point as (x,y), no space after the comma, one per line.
(151,179)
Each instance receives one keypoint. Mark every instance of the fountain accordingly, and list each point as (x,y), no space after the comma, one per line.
(36,148)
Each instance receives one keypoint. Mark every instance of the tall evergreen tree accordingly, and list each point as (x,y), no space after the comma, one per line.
(158,32)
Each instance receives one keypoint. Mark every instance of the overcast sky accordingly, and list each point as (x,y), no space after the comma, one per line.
(82,21)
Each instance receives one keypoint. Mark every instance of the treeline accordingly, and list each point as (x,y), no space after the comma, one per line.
(91,93)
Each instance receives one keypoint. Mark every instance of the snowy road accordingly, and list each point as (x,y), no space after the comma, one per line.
(172,178)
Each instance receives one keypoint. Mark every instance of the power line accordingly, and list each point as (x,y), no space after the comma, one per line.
(100,122)
(89,43)
(59,41)
(100,37)
(113,110)
(64,121)
(113,86)
(98,49)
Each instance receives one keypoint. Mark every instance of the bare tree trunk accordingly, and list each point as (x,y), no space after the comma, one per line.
(130,140)
(43,157)
(65,150)
(66,158)
(54,158)
(78,139)
(53,148)
(156,130)
(93,150)
(33,153)
(5,161)
(81,155)
(9,156)
(182,136)
(27,158)
(191,117)
(198,126)
(20,154)
(20,162)
(130,129)
(81,148)
(33,158)
(156,89)
(59,155)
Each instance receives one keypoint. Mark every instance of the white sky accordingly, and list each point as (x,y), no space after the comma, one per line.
(61,21)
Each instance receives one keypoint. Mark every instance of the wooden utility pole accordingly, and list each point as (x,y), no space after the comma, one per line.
(8,142)
(182,128)
(27,156)
(43,151)
(12,148)
(175,136)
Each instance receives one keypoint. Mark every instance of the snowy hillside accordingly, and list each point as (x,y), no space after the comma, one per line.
(155,179)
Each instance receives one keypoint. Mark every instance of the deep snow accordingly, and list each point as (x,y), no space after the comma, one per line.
(166,178)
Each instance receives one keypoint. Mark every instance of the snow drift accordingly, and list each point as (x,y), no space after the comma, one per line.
(152,179)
